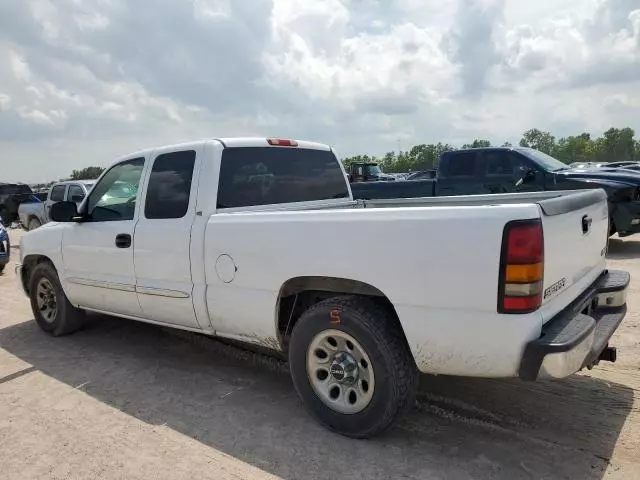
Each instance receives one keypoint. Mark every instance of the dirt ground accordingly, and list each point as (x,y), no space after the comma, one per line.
(124,400)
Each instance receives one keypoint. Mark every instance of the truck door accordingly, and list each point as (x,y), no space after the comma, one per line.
(98,253)
(505,172)
(163,238)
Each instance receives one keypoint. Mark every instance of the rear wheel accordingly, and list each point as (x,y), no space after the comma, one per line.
(351,366)
(2,268)
(52,310)
(34,223)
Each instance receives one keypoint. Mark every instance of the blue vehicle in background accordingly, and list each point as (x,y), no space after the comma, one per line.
(5,247)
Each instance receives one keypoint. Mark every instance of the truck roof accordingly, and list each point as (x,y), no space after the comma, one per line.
(516,148)
(83,182)
(231,142)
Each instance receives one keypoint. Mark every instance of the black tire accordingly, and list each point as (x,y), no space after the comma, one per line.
(2,268)
(33,224)
(67,318)
(378,332)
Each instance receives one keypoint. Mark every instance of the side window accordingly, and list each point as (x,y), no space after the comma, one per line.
(462,164)
(497,163)
(75,193)
(114,196)
(57,193)
(271,175)
(519,165)
(170,185)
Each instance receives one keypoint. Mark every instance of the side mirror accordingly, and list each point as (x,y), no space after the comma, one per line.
(63,212)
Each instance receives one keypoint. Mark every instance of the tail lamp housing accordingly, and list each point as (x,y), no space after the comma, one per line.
(521,267)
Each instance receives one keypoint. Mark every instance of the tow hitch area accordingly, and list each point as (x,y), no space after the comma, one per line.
(609,354)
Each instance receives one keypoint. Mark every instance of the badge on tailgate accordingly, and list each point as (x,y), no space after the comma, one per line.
(555,288)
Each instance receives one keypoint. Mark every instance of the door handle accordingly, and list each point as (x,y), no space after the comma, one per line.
(123,240)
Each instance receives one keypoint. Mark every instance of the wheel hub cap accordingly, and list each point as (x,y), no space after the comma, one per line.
(340,372)
(46,300)
(344,368)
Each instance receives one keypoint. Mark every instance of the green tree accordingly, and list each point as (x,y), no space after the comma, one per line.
(87,173)
(616,144)
(543,141)
(477,144)
(506,144)
(574,149)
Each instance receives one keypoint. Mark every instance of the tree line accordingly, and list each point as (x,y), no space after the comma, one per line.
(616,144)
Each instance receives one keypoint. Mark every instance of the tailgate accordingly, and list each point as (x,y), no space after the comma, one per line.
(576,231)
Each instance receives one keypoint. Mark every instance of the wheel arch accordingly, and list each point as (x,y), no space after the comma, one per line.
(28,264)
(300,293)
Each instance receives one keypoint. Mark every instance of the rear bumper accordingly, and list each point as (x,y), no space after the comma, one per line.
(578,336)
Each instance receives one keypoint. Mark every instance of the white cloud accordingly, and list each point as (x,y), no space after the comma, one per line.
(83,82)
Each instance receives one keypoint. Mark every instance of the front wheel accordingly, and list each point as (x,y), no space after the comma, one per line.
(351,366)
(52,310)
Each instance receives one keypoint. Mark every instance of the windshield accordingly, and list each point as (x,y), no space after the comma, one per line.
(545,161)
(372,170)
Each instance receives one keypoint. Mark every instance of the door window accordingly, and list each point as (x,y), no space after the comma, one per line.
(114,196)
(75,194)
(461,164)
(497,164)
(57,193)
(504,164)
(170,185)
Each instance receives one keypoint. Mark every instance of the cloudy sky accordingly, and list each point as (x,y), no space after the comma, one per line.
(84,81)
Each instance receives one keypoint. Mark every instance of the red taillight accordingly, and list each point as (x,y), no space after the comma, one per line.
(280,142)
(524,244)
(521,267)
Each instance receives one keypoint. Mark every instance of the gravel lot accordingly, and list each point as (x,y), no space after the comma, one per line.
(130,401)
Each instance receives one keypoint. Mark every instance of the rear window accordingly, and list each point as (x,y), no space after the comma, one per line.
(57,193)
(271,175)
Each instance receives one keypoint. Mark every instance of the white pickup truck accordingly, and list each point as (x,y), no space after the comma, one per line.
(258,240)
(34,214)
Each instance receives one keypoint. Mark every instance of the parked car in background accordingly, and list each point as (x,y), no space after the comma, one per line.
(635,167)
(5,247)
(11,195)
(368,172)
(517,169)
(193,237)
(620,164)
(35,213)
